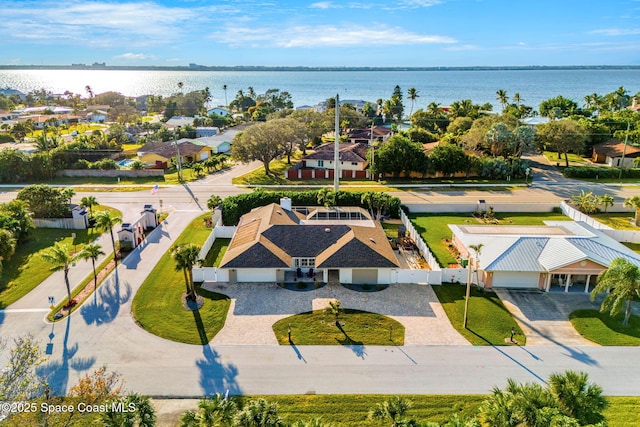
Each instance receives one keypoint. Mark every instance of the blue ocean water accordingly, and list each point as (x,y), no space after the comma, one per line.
(311,87)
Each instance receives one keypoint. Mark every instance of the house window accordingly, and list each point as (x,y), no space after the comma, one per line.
(354,163)
(304,262)
(320,163)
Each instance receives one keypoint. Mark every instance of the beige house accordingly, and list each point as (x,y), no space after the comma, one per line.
(561,255)
(161,154)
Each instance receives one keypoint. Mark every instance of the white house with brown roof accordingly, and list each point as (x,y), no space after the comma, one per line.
(351,157)
(611,153)
(559,255)
(343,244)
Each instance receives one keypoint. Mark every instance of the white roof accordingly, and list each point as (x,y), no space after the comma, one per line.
(566,243)
(179,121)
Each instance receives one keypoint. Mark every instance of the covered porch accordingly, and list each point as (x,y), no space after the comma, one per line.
(578,277)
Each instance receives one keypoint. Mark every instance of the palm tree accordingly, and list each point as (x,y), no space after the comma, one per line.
(180,86)
(334,309)
(477,250)
(89,202)
(259,413)
(326,197)
(586,202)
(517,99)
(92,251)
(577,398)
(622,282)
(212,411)
(392,409)
(607,200)
(226,102)
(186,256)
(412,95)
(105,221)
(502,97)
(60,256)
(634,202)
(197,168)
(213,202)
(90,93)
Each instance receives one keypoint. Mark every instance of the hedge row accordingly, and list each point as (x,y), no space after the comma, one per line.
(233,207)
(599,172)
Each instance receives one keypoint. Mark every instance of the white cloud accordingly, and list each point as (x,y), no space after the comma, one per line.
(324,36)
(97,23)
(322,5)
(616,32)
(462,48)
(134,56)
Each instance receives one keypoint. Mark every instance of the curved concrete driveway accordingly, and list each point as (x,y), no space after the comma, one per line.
(256,307)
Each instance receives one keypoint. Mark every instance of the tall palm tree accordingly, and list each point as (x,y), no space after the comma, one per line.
(92,251)
(186,256)
(578,398)
(60,256)
(226,102)
(180,86)
(393,409)
(634,202)
(501,96)
(89,202)
(622,282)
(90,93)
(517,98)
(105,221)
(477,250)
(412,95)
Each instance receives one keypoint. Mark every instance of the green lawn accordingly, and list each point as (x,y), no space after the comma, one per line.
(633,246)
(552,156)
(617,220)
(604,329)
(433,228)
(488,321)
(351,410)
(157,306)
(27,269)
(358,328)
(216,253)
(391,230)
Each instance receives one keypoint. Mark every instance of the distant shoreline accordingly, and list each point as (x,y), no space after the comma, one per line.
(195,67)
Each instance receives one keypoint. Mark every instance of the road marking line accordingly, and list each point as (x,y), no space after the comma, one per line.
(25,310)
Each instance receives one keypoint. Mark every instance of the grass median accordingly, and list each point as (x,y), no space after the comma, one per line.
(157,306)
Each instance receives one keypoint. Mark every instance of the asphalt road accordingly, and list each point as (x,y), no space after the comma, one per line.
(103,332)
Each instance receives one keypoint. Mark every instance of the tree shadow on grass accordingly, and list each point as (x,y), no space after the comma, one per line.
(357,347)
(202,333)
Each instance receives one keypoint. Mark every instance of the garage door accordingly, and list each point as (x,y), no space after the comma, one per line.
(515,279)
(365,277)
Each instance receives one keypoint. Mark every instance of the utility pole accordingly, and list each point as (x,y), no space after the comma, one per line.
(624,150)
(336,148)
(178,160)
(373,154)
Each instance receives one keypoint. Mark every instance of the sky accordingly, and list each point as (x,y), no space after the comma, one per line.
(331,33)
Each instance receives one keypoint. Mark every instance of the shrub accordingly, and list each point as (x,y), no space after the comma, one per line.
(599,172)
(81,164)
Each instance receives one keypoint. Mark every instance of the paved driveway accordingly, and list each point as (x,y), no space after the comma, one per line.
(544,317)
(256,307)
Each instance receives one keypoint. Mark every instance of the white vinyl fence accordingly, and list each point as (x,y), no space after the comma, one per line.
(627,236)
(213,274)
(435,275)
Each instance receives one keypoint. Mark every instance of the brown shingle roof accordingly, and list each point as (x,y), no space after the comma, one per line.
(168,149)
(615,149)
(269,237)
(346,152)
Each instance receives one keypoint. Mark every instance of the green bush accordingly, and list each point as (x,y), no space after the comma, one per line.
(234,207)
(599,172)
(5,137)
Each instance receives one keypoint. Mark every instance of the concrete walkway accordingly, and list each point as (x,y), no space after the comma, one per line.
(544,317)
(256,307)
